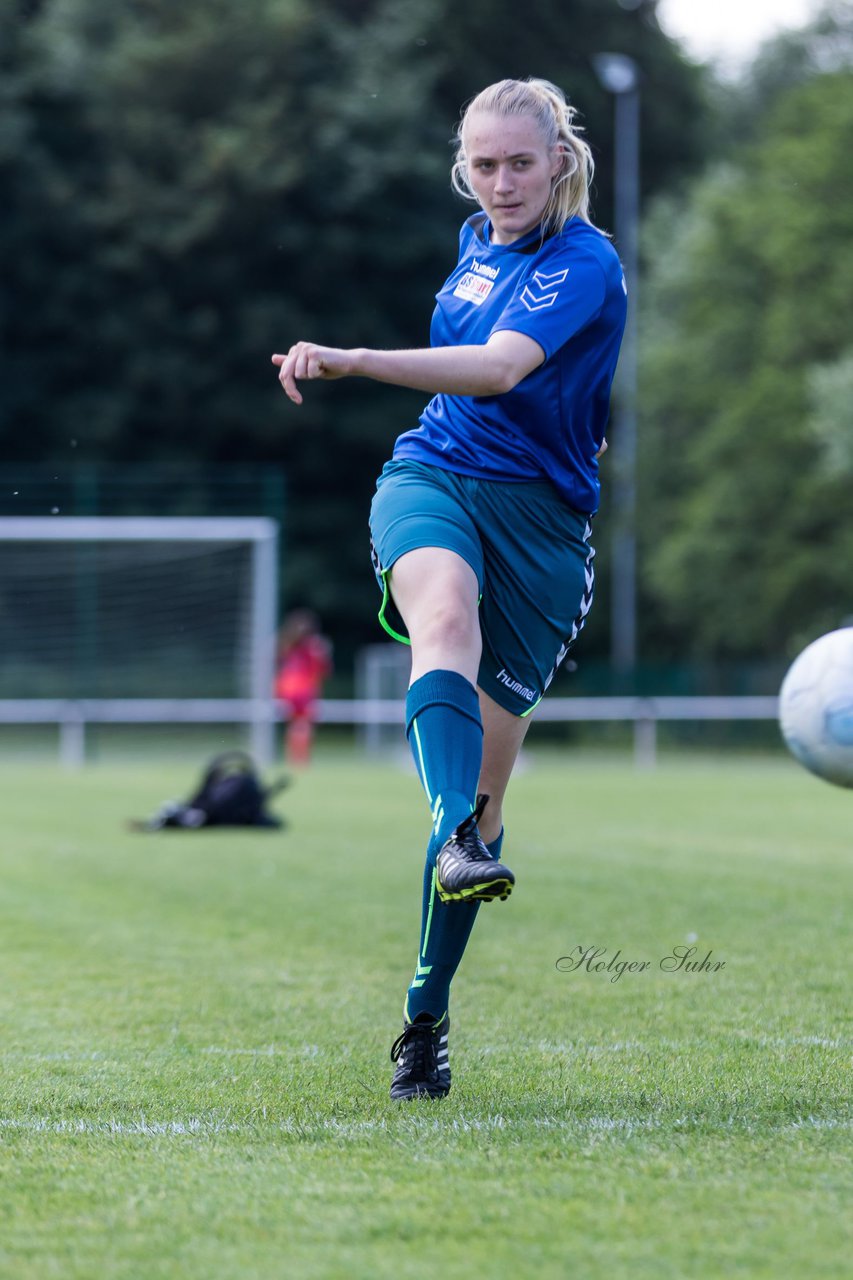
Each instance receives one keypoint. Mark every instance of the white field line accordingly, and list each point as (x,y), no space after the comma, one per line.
(268,1051)
(786,1042)
(576,1048)
(195,1126)
(100,1055)
(123,1128)
(581,1048)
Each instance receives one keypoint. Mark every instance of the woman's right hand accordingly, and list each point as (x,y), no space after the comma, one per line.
(306,361)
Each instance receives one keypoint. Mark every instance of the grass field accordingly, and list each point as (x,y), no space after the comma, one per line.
(195,1033)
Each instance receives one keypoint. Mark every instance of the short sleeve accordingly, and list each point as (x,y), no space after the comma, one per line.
(556,301)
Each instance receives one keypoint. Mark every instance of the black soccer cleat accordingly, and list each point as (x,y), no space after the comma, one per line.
(465,871)
(421,1055)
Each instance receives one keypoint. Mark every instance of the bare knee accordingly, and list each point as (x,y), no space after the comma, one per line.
(451,624)
(436,591)
(446,639)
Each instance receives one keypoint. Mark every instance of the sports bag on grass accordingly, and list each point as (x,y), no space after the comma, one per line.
(230,795)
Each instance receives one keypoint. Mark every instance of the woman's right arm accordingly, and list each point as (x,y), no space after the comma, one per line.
(486,370)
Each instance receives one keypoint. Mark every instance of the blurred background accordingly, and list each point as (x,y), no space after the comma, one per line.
(188,188)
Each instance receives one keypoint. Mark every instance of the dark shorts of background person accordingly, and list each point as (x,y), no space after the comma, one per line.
(529,550)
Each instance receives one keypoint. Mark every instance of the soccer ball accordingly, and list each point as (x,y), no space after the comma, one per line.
(816,707)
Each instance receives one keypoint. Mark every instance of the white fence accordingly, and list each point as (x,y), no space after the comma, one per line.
(72,717)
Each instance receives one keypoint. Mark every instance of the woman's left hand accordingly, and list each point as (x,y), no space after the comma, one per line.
(603,448)
(306,360)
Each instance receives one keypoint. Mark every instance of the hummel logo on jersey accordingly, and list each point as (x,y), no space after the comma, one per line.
(545,293)
(482,270)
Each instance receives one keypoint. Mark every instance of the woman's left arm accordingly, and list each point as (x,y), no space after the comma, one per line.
(487,370)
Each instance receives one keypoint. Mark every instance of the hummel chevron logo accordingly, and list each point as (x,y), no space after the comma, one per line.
(421,975)
(546,281)
(538,301)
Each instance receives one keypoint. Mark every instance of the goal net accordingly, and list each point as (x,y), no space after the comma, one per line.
(105,608)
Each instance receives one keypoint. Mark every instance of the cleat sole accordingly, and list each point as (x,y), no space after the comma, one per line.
(476,892)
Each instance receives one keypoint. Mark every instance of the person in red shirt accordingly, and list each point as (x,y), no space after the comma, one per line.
(304,663)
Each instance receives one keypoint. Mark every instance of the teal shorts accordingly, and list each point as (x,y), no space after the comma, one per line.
(529,550)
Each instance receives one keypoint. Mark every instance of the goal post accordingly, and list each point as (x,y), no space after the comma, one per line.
(145,609)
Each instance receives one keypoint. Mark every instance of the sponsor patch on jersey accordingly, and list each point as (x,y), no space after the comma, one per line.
(473,288)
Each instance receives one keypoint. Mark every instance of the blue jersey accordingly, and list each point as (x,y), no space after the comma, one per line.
(567,294)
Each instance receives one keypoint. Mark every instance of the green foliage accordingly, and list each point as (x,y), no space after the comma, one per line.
(190,187)
(749,540)
(830,389)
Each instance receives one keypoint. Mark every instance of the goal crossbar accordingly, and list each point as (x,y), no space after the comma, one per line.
(138,528)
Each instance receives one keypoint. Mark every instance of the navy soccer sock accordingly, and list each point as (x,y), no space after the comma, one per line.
(446,737)
(445,930)
(445,734)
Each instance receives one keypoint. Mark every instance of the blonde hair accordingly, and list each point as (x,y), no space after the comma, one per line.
(547,105)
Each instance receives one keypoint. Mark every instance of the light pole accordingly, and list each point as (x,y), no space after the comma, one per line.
(620,75)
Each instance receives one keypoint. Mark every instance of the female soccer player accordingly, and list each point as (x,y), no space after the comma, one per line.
(481,520)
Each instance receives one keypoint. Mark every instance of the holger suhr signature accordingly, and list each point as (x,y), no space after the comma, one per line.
(681,959)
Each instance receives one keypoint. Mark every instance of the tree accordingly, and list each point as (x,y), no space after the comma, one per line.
(190,187)
(748,535)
